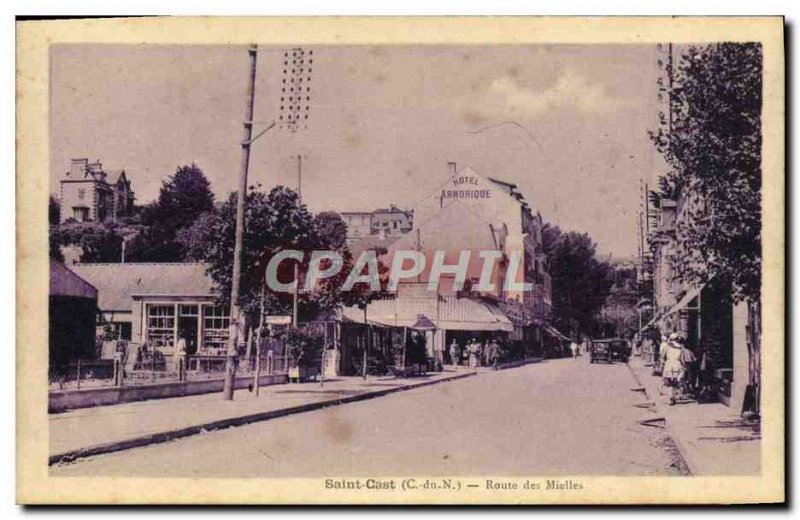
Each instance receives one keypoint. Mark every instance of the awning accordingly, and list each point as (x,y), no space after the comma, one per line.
(555,333)
(690,295)
(423,323)
(447,313)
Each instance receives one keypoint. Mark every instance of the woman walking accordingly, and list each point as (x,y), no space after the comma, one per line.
(672,368)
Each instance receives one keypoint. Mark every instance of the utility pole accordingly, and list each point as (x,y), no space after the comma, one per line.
(296,266)
(230,362)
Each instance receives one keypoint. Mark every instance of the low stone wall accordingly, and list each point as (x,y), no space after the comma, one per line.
(59,401)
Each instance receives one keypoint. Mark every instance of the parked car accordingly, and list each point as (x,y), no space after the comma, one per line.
(609,350)
(600,351)
(620,350)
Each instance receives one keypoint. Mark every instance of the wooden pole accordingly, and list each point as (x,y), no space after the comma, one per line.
(405,342)
(322,360)
(366,345)
(230,361)
(259,335)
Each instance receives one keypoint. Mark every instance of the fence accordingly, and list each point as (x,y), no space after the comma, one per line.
(134,367)
(86,373)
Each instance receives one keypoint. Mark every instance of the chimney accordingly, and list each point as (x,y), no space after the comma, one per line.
(78,167)
(451,166)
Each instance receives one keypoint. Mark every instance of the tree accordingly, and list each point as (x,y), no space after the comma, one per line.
(332,228)
(99,242)
(55,243)
(580,282)
(714,150)
(54,211)
(183,198)
(54,235)
(273,222)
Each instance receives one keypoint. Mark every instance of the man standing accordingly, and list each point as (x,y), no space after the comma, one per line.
(454,352)
(180,352)
(493,354)
(573,346)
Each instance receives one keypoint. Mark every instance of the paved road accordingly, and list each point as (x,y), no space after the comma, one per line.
(559,417)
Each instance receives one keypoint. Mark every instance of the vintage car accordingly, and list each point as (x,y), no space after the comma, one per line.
(609,350)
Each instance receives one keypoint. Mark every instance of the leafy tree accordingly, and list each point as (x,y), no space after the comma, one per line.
(714,150)
(53,217)
(54,211)
(55,243)
(183,198)
(273,222)
(332,228)
(580,281)
(99,242)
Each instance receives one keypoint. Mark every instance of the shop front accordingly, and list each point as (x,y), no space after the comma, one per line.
(204,325)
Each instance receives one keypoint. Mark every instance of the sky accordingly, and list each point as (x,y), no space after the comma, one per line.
(384,122)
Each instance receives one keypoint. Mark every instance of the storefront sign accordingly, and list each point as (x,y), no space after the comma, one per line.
(466,187)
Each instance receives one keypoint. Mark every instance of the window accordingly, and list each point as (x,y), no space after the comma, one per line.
(81,194)
(189,311)
(80,213)
(160,325)
(216,320)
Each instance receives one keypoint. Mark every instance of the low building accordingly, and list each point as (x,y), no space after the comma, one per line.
(155,303)
(382,223)
(449,317)
(89,193)
(72,316)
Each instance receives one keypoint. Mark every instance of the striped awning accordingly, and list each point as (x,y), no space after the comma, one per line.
(448,313)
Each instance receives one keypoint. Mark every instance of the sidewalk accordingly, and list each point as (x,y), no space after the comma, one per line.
(712,438)
(104,429)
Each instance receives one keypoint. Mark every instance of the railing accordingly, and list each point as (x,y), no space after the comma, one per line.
(151,368)
(86,373)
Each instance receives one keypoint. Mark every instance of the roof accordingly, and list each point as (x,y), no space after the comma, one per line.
(117,283)
(453,313)
(504,183)
(64,282)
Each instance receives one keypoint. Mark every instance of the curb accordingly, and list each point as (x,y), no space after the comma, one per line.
(161,437)
(679,444)
(522,362)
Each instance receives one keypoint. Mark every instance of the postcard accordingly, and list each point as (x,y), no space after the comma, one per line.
(458,260)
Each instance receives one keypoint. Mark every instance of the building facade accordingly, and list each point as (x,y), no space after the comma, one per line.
(155,304)
(383,222)
(475,213)
(723,334)
(89,193)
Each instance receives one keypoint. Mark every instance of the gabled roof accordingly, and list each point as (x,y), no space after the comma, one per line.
(118,176)
(117,283)
(64,282)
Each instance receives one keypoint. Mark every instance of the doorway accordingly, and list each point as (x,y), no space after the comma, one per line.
(188,319)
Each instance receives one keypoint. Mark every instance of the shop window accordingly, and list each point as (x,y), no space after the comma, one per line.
(160,325)
(216,320)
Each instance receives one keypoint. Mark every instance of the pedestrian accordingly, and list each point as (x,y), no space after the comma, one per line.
(672,369)
(689,362)
(493,348)
(573,346)
(454,352)
(473,354)
(180,352)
